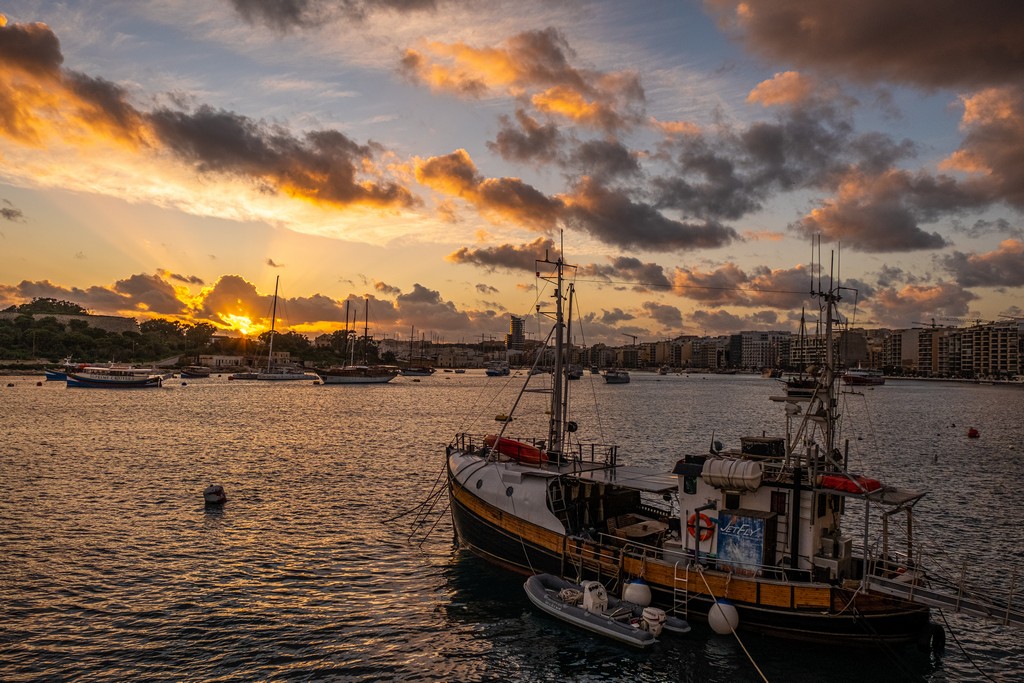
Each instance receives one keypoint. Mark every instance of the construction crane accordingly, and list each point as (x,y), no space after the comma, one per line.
(631,336)
(976,321)
(932,324)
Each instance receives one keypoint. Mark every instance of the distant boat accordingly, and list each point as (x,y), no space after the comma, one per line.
(363,373)
(358,374)
(574,372)
(863,377)
(245,374)
(412,370)
(114,378)
(281,372)
(496,368)
(278,373)
(417,371)
(195,371)
(616,377)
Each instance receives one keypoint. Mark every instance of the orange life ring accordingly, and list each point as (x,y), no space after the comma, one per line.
(706,525)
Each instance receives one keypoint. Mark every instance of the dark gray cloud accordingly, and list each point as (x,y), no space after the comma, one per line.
(186,279)
(1003,267)
(629,269)
(883,213)
(32,48)
(526,140)
(984,228)
(426,309)
(282,15)
(603,159)
(513,257)
(323,166)
(614,316)
(942,43)
(669,317)
(11,213)
(613,217)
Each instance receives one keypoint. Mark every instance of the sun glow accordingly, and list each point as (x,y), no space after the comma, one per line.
(242,323)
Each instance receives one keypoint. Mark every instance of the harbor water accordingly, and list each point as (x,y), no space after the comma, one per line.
(112,568)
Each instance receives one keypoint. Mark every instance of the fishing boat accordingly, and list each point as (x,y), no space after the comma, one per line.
(616,376)
(588,606)
(863,377)
(760,526)
(97,377)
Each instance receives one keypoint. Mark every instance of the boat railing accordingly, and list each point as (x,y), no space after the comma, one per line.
(590,454)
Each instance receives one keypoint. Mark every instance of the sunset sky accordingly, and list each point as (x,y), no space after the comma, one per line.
(172,159)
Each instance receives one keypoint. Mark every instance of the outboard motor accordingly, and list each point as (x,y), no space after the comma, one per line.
(595,597)
(653,619)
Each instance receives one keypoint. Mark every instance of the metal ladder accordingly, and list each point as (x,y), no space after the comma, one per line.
(681,603)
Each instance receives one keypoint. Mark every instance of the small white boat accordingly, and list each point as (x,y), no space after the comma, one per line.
(616,377)
(589,606)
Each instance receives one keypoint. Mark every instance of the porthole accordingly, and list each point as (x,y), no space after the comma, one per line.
(508,492)
(479,483)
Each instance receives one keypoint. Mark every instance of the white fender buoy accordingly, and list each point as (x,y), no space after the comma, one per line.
(637,592)
(723,617)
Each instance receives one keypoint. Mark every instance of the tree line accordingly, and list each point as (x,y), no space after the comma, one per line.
(36,333)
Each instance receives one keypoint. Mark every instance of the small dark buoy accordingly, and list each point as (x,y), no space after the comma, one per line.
(214,494)
(973,433)
(39,384)
(184,384)
(10,384)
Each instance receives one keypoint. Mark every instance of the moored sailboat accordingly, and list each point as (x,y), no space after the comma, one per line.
(277,372)
(362,373)
(760,526)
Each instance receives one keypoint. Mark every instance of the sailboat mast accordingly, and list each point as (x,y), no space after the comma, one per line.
(273,319)
(567,365)
(555,425)
(366,329)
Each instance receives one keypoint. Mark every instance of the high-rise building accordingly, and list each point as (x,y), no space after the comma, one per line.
(516,337)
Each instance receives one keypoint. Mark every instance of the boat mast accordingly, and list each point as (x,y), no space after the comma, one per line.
(567,366)
(829,306)
(556,423)
(273,318)
(366,328)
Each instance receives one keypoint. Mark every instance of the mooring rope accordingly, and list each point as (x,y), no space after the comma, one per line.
(700,570)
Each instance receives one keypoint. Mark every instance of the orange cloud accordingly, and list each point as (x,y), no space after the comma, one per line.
(534,64)
(510,199)
(790,87)
(46,106)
